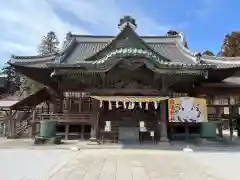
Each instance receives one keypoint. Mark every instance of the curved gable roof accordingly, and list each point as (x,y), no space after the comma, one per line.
(81,48)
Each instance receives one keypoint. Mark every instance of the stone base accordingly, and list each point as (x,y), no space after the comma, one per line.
(42,140)
(164,141)
(93,141)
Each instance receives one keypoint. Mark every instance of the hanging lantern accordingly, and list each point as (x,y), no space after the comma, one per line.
(101,103)
(140,105)
(155,105)
(109,105)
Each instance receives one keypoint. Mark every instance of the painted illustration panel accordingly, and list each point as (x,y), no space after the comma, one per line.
(187,109)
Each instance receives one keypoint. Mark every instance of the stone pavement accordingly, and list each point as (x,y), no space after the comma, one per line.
(117,164)
(22,164)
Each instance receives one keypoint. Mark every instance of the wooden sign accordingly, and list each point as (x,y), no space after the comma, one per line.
(187,109)
(107,126)
(143,129)
(142,124)
(226,110)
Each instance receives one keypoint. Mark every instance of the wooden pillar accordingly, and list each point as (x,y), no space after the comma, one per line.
(61,103)
(10,124)
(32,129)
(82,132)
(48,107)
(94,121)
(163,114)
(163,122)
(219,125)
(14,130)
(66,131)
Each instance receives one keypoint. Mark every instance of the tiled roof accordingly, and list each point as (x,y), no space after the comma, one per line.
(83,50)
(222,64)
(80,48)
(228,82)
(33,61)
(172,52)
(7,104)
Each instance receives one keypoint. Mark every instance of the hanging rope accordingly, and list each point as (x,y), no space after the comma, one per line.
(133,105)
(117,105)
(109,105)
(124,105)
(146,106)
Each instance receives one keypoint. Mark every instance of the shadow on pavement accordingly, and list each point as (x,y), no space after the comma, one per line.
(203,146)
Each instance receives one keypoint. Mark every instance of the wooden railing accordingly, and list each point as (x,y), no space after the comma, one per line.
(83,117)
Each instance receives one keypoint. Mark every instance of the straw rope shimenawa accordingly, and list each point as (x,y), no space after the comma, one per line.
(132,100)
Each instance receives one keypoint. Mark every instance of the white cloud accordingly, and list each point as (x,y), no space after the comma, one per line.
(24,22)
(106,14)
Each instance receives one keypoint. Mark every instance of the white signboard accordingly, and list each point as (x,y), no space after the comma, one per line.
(143,129)
(142,124)
(108,126)
(226,110)
(152,133)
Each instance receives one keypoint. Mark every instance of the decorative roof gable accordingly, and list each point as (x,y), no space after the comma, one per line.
(126,39)
(79,49)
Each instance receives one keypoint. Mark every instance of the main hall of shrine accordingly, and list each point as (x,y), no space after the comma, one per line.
(114,87)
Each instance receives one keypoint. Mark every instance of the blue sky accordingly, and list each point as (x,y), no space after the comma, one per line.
(203,22)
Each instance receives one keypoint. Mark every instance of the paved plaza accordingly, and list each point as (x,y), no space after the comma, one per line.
(21,160)
(117,164)
(20,164)
(146,165)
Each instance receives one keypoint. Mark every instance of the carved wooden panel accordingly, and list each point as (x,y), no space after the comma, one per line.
(130,85)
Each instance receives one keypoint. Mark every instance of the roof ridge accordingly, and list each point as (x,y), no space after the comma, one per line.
(67,46)
(142,41)
(112,36)
(219,57)
(33,57)
(97,36)
(107,45)
(86,42)
(216,59)
(169,37)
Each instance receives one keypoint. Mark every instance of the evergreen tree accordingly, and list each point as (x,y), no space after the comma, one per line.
(13,79)
(49,44)
(231,45)
(208,53)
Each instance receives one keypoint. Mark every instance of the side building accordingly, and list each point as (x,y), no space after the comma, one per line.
(125,79)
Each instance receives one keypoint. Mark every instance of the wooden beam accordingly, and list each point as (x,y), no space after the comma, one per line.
(216,91)
(10,124)
(153,92)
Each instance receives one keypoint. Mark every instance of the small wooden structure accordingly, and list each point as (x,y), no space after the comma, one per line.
(21,114)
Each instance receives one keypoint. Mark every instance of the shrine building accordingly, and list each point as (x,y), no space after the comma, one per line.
(117,87)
